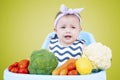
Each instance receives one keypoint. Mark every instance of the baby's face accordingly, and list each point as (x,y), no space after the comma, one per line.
(68,29)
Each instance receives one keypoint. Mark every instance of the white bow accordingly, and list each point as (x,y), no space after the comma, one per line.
(65,10)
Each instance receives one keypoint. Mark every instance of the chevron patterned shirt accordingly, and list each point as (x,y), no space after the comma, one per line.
(64,53)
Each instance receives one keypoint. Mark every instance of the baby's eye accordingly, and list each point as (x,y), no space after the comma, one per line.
(73,27)
(63,27)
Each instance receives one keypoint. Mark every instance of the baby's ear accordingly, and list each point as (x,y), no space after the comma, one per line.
(55,29)
(80,28)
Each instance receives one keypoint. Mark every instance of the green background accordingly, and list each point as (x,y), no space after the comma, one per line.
(24,25)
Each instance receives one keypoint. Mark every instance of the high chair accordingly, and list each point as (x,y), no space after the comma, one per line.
(88,37)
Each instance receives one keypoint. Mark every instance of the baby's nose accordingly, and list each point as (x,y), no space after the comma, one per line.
(68,30)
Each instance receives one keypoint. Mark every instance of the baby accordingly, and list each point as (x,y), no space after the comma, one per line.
(67,26)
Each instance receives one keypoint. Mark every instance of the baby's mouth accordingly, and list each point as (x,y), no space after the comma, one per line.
(68,36)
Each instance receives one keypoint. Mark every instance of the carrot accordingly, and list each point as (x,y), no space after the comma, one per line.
(65,65)
(55,72)
(71,66)
(64,71)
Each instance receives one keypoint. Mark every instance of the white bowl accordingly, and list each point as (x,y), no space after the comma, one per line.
(15,76)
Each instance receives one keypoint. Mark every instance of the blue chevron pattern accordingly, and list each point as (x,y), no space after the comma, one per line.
(64,53)
(61,60)
(57,47)
(75,48)
(52,42)
(79,41)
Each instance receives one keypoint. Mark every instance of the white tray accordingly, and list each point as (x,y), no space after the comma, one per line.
(15,76)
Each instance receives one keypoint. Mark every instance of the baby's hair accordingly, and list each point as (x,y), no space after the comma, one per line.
(58,14)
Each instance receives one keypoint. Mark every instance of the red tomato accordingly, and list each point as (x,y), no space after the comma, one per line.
(23,70)
(15,64)
(14,69)
(23,63)
(71,66)
(73,72)
(12,66)
(19,67)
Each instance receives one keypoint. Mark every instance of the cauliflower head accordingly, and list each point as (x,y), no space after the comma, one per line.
(99,55)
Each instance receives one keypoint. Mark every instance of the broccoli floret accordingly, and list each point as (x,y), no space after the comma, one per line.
(42,62)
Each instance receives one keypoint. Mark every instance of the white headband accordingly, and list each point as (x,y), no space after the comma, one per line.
(64,11)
